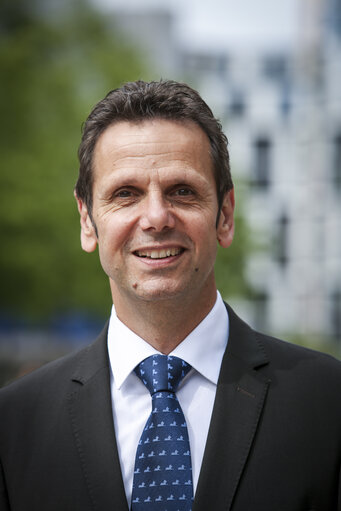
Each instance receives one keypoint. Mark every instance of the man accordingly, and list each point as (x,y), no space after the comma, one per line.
(260,418)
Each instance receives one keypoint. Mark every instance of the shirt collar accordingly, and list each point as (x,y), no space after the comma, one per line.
(127,349)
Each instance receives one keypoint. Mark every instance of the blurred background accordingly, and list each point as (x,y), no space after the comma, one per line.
(271,71)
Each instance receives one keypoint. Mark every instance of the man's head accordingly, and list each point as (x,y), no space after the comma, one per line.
(155,194)
(140,101)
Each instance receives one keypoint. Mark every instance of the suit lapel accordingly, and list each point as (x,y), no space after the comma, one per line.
(239,401)
(93,429)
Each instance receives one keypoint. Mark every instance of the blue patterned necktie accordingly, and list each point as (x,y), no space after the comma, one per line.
(163,468)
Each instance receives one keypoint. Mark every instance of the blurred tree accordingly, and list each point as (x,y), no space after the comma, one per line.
(231,263)
(55,64)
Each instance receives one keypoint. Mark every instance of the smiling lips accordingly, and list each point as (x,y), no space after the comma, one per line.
(159,254)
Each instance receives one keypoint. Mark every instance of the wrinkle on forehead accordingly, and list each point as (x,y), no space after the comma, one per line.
(156,158)
(128,149)
(142,140)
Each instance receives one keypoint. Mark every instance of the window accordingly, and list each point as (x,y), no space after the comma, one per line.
(275,67)
(262,150)
(336,314)
(260,302)
(282,240)
(334,16)
(203,63)
(237,105)
(337,161)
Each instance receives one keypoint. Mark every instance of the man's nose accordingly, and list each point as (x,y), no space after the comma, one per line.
(157,213)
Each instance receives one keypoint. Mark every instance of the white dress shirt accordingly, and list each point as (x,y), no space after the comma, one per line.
(203,349)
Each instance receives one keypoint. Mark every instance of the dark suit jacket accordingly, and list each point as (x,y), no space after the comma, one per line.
(273,444)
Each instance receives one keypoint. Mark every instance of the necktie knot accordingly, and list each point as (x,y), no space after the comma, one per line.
(162,372)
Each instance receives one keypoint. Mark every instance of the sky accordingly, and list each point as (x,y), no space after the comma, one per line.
(221,23)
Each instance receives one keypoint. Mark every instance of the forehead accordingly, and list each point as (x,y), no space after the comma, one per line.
(154,143)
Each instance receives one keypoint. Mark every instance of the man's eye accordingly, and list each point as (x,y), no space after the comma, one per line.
(183,192)
(124,194)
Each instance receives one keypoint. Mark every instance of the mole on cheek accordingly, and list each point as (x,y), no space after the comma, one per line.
(196,269)
(135,285)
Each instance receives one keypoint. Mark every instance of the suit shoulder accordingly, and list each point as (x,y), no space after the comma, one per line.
(286,354)
(44,375)
(84,361)
(259,350)
(285,347)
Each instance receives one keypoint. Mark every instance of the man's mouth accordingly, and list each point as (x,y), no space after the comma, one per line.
(159,254)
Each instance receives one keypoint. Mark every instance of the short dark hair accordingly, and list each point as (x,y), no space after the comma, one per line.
(139,101)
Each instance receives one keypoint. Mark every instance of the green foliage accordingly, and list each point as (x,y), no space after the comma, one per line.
(53,69)
(230,264)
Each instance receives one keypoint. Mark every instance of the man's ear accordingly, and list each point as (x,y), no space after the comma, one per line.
(225,228)
(88,231)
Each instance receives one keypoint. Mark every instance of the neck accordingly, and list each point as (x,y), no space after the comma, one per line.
(164,324)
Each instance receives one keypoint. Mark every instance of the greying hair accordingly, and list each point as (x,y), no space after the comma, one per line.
(140,101)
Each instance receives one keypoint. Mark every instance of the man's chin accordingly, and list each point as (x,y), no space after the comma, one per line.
(151,292)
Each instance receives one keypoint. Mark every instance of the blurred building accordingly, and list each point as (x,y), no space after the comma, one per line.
(281,110)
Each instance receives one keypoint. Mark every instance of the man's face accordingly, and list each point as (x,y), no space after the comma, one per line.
(155,209)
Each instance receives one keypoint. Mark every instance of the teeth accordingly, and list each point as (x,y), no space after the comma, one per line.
(158,254)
